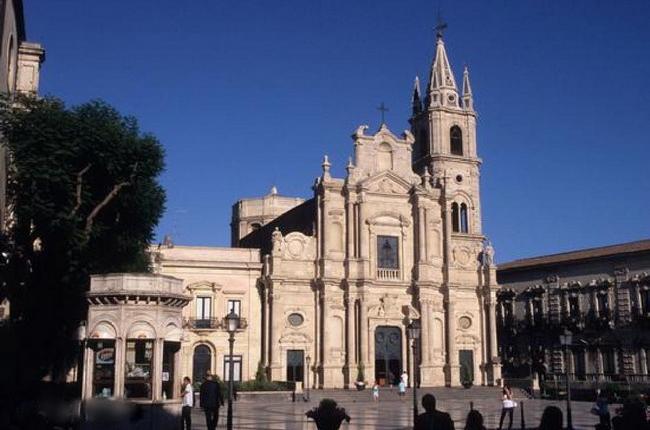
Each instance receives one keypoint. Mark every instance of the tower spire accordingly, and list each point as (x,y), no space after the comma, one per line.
(416,101)
(468,99)
(442,89)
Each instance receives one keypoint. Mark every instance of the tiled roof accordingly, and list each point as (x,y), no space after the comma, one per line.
(582,254)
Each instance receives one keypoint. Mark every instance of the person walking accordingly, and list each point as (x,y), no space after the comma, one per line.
(405,378)
(211,399)
(432,418)
(508,406)
(402,389)
(375,392)
(187,404)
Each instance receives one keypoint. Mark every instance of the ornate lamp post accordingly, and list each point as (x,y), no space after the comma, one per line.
(566,340)
(413,330)
(232,322)
(308,360)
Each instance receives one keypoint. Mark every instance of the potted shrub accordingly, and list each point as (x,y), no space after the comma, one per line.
(465,379)
(360,383)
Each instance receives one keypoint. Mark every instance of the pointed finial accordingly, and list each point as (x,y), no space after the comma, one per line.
(416,102)
(274,190)
(326,167)
(426,178)
(468,99)
(350,167)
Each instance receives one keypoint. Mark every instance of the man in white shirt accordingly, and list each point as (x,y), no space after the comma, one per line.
(188,403)
(405,378)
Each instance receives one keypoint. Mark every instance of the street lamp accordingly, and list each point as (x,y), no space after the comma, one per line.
(413,330)
(232,322)
(308,360)
(566,339)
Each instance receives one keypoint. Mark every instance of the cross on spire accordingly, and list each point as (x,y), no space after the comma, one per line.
(441,26)
(383,109)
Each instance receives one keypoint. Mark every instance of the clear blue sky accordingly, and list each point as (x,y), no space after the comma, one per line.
(247,94)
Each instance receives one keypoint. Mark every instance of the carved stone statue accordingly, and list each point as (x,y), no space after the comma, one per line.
(276,238)
(487,254)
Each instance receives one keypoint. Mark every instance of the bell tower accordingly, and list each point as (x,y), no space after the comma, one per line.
(443,122)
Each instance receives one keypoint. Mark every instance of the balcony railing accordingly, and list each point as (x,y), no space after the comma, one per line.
(388,274)
(203,323)
(211,324)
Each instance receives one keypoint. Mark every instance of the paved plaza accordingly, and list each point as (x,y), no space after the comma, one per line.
(390,412)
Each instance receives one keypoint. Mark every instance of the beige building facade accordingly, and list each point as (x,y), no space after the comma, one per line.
(20,63)
(327,286)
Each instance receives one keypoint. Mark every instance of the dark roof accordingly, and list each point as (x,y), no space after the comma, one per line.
(301,218)
(582,254)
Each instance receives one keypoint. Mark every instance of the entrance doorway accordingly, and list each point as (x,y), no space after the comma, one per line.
(388,355)
(201,363)
(466,362)
(295,365)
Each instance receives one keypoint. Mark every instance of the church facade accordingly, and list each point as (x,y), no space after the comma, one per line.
(328,285)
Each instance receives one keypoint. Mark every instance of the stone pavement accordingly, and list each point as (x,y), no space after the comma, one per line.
(391,412)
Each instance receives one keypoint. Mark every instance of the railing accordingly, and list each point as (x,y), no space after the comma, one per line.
(210,323)
(388,274)
(203,323)
(601,377)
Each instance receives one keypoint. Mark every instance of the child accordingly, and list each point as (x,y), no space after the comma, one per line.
(375,392)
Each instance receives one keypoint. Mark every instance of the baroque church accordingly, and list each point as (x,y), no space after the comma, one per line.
(328,285)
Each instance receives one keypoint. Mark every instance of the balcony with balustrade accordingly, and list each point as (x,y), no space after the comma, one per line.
(388,274)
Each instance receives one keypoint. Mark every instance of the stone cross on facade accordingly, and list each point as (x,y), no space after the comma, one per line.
(383,109)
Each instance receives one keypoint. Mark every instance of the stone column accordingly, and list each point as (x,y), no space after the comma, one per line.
(324,333)
(88,374)
(599,363)
(120,357)
(363,333)
(363,231)
(425,336)
(350,228)
(452,354)
(421,236)
(267,328)
(156,377)
(494,351)
(350,356)
(643,363)
(274,344)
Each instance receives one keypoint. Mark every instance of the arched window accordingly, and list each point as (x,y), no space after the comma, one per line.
(454,217)
(255,226)
(456,140)
(463,218)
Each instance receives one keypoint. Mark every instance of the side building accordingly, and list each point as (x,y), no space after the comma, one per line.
(600,295)
(20,63)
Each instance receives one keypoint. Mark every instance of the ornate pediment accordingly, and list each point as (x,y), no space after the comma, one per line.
(387,182)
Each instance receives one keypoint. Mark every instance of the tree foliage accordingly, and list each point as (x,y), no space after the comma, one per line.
(84,196)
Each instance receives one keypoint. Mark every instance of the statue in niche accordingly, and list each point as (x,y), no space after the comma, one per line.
(487,255)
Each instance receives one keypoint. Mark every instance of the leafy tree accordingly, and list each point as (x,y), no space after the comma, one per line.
(85,198)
